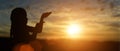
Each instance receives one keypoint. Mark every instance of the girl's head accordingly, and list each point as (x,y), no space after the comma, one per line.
(19,16)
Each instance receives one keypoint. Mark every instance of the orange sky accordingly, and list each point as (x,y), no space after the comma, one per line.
(96,18)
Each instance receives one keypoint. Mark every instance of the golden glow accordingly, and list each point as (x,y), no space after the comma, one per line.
(73,30)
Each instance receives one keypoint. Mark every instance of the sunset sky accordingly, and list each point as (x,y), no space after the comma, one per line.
(97,19)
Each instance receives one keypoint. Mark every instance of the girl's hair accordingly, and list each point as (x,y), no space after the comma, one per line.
(18,16)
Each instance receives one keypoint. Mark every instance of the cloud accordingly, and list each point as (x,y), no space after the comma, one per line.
(117,24)
(111,26)
(116,15)
(114,26)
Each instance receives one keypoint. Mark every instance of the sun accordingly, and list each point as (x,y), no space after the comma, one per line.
(73,29)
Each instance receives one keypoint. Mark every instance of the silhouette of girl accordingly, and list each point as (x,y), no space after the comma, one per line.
(19,30)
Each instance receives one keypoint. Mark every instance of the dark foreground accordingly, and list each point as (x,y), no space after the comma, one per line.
(68,45)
